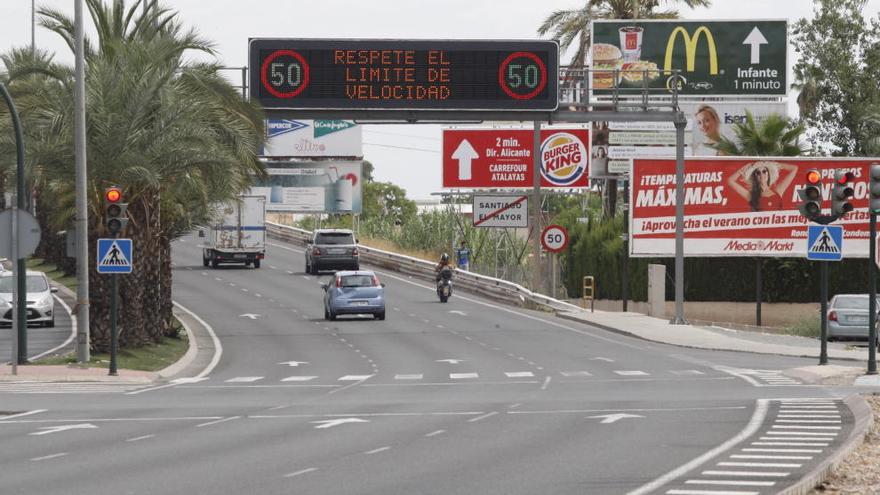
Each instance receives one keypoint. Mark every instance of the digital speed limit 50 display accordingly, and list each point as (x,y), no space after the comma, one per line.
(404,75)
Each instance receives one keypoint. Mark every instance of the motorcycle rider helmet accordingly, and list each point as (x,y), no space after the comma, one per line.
(444,257)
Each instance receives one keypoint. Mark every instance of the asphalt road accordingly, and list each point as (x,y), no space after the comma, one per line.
(41,340)
(469,397)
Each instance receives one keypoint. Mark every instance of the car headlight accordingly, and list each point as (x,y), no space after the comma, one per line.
(4,305)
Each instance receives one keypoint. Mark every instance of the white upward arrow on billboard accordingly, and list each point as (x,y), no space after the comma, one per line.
(465,153)
(756,39)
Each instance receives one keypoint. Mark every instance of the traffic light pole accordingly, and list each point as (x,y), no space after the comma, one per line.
(872,296)
(114,289)
(823,299)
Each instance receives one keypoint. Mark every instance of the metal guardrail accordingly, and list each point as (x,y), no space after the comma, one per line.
(493,288)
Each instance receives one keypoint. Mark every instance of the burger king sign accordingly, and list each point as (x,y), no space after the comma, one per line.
(564,159)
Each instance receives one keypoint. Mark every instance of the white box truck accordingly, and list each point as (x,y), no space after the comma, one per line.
(238,234)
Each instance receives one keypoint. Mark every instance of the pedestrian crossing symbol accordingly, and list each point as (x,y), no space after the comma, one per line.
(825,242)
(114,255)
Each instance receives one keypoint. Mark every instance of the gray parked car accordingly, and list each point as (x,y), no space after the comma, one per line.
(848,317)
(332,249)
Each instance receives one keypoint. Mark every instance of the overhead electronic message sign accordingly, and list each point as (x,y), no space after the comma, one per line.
(404,74)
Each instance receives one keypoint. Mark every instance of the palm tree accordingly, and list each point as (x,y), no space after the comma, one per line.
(173,134)
(775,136)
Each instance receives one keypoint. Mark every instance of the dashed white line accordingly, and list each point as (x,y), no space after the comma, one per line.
(47,457)
(757,474)
(298,378)
(412,376)
(244,379)
(630,373)
(730,483)
(301,471)
(137,439)
(789,451)
(791,444)
(776,457)
(376,451)
(709,492)
(19,415)
(761,464)
(209,423)
(519,374)
(435,433)
(463,376)
(354,378)
(478,418)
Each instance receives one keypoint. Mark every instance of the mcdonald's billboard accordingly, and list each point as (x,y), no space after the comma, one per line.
(746,58)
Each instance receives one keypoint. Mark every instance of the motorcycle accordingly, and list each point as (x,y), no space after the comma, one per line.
(444,284)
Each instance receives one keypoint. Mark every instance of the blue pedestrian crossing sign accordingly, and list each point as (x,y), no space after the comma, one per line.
(825,242)
(114,255)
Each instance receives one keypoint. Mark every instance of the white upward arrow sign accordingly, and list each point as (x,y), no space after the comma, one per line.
(465,153)
(756,39)
(294,364)
(612,418)
(450,361)
(250,315)
(55,429)
(330,423)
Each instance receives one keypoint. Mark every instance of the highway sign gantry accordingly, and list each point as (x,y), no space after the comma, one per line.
(114,256)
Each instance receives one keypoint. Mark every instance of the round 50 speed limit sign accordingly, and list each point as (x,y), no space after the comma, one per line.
(554,238)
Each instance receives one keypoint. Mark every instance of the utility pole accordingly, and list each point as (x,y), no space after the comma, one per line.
(680,123)
(82,211)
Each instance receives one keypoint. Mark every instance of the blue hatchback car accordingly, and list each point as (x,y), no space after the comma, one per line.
(354,293)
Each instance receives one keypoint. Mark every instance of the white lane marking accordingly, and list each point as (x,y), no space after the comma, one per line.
(478,418)
(546,383)
(223,420)
(47,430)
(19,415)
(307,277)
(785,451)
(463,376)
(289,272)
(795,427)
(47,457)
(368,415)
(273,267)
(630,373)
(376,451)
(575,373)
(301,471)
(803,433)
(792,444)
(413,376)
(136,439)
(435,433)
(613,418)
(330,423)
(294,364)
(709,492)
(776,457)
(244,290)
(298,378)
(806,407)
(354,378)
(350,385)
(245,379)
(218,279)
(730,483)
(761,464)
(70,337)
(450,361)
(231,284)
(753,425)
(808,416)
(809,421)
(797,439)
(519,374)
(258,295)
(686,372)
(458,312)
(607,360)
(757,474)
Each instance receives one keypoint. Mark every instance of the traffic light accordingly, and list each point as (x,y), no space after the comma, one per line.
(874,188)
(114,210)
(841,193)
(811,196)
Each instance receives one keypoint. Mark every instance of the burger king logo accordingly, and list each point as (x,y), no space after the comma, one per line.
(563,158)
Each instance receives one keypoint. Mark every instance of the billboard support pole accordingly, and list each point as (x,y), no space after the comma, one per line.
(624,266)
(759,289)
(680,123)
(536,192)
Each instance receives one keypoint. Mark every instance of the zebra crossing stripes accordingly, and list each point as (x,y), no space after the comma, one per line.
(68,387)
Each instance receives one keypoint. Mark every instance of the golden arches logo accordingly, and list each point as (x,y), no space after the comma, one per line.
(690,46)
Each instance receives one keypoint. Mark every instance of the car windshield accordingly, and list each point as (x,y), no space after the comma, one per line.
(335,238)
(357,281)
(35,283)
(851,302)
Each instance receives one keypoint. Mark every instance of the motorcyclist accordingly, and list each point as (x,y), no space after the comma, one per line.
(444,263)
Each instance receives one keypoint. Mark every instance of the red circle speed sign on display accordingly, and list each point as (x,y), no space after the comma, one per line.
(554,238)
(539,77)
(302,71)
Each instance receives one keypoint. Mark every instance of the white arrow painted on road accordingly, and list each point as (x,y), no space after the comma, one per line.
(294,364)
(612,418)
(756,39)
(330,423)
(465,154)
(55,429)
(450,361)
(457,312)
(250,315)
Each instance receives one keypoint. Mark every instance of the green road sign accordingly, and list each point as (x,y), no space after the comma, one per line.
(715,57)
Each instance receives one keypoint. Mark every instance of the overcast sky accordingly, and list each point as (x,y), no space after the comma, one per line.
(406,155)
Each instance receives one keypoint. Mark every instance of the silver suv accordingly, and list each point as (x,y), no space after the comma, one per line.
(332,249)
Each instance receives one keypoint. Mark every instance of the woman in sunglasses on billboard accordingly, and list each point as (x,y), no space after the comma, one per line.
(763,184)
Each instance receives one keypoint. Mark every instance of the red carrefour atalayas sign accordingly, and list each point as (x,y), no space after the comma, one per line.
(736,206)
(502,158)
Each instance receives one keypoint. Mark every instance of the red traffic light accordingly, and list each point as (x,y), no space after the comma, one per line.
(113,195)
(844,177)
(813,177)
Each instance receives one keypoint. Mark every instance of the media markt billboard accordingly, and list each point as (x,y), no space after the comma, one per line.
(715,57)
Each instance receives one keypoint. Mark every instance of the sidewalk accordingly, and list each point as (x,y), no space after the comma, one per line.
(74,373)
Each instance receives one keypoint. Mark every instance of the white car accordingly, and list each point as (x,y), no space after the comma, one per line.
(40,301)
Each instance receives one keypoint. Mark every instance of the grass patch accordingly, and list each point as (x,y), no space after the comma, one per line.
(805,327)
(52,272)
(153,357)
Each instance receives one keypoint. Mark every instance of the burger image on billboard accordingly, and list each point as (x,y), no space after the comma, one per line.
(606,58)
(564,159)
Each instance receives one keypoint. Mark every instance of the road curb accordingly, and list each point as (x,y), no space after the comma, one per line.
(190,355)
(628,333)
(864,419)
